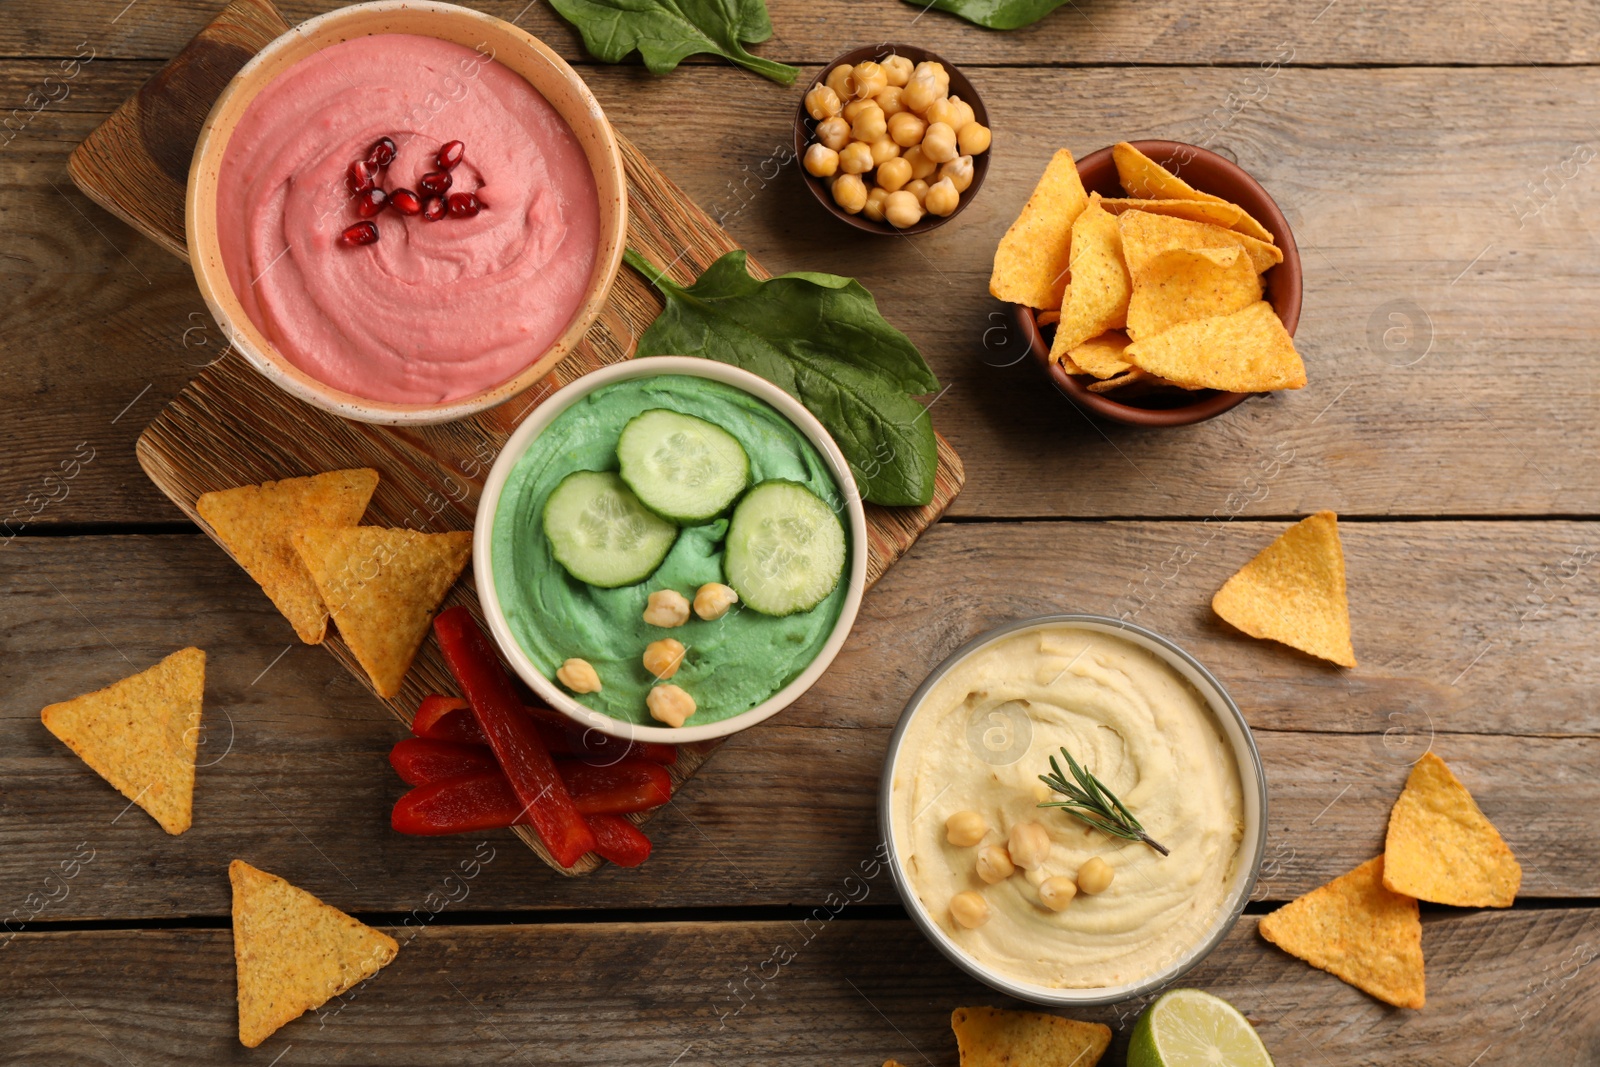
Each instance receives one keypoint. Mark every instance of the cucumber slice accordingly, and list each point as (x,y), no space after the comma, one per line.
(681,467)
(785,551)
(600,532)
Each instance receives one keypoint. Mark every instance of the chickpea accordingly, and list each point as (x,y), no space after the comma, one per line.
(663,658)
(942,111)
(958,172)
(942,198)
(939,143)
(963,114)
(856,158)
(994,864)
(969,909)
(965,829)
(669,704)
(579,676)
(893,174)
(666,608)
(821,102)
(712,600)
(883,150)
(889,100)
(868,79)
(1056,893)
(833,132)
(822,161)
(875,198)
(869,124)
(917,188)
(906,129)
(855,107)
(897,69)
(850,192)
(1095,876)
(935,71)
(838,80)
(921,91)
(921,166)
(974,139)
(1029,844)
(902,209)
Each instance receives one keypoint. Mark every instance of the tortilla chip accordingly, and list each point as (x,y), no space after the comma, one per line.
(1248,351)
(1030,264)
(1143,177)
(292,952)
(1441,847)
(383,587)
(1097,299)
(1359,931)
(991,1037)
(140,734)
(1186,284)
(1129,377)
(1293,592)
(1102,356)
(1145,234)
(254,523)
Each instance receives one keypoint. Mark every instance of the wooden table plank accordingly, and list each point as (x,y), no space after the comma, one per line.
(782,812)
(851,992)
(1396,187)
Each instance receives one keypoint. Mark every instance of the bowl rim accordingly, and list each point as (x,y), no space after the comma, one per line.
(241,333)
(802,139)
(1247,758)
(1216,402)
(544,414)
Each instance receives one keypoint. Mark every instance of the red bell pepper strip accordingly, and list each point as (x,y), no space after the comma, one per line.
(628,785)
(619,841)
(437,717)
(517,746)
(444,718)
(422,761)
(483,800)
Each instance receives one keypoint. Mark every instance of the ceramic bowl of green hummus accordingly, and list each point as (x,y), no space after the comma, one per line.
(740,668)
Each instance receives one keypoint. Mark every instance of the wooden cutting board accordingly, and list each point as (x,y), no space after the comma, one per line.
(231,427)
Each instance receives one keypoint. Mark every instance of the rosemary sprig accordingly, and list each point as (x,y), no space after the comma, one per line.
(1089,799)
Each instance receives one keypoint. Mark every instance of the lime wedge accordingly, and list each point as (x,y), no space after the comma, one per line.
(1188,1028)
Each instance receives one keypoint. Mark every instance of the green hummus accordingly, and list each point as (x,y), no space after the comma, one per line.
(733,663)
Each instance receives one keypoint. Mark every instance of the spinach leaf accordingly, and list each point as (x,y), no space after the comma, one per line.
(995,14)
(667,31)
(821,339)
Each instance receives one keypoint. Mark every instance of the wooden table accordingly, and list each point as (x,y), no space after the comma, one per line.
(1435,161)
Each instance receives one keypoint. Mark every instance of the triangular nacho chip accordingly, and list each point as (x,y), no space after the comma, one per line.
(1359,931)
(1188,284)
(1097,299)
(1441,847)
(1145,234)
(1293,592)
(1100,356)
(383,587)
(292,952)
(1030,263)
(992,1037)
(255,522)
(140,734)
(1247,351)
(1143,178)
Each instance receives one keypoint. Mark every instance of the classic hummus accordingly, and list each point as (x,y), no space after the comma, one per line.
(978,743)
(431,311)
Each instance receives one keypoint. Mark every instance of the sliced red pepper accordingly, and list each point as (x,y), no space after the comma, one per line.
(521,752)
(450,719)
(435,710)
(628,785)
(619,841)
(475,802)
(421,761)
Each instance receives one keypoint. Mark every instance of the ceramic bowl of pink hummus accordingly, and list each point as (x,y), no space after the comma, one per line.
(375,306)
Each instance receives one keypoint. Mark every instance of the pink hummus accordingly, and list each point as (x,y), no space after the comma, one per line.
(433,311)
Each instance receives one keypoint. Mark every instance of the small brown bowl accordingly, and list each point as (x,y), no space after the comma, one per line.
(1209,173)
(805,127)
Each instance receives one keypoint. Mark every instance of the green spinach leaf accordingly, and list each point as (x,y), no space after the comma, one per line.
(821,339)
(666,31)
(995,14)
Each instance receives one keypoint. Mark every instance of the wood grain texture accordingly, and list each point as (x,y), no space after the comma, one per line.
(1522,987)
(294,763)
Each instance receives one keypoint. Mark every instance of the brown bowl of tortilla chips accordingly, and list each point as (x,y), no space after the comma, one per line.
(1174,274)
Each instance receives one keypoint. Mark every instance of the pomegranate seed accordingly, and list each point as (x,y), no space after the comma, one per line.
(463,205)
(406,202)
(371,202)
(362,176)
(434,183)
(362,233)
(381,154)
(433,209)
(450,155)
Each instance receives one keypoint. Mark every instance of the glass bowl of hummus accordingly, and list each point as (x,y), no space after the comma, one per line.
(1031,899)
(740,665)
(405,211)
